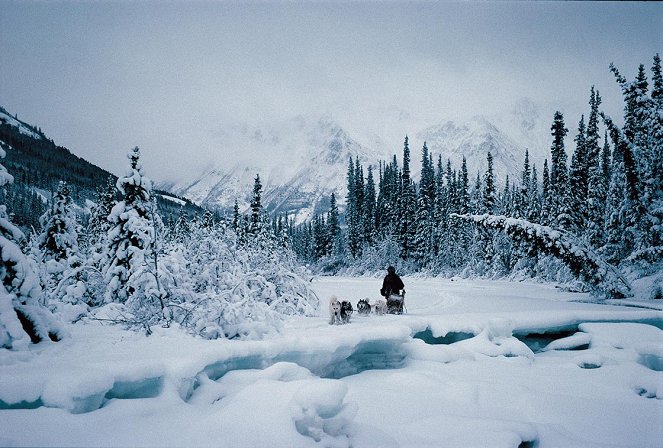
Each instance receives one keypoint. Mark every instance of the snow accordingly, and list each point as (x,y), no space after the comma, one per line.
(467,379)
(175,200)
(22,127)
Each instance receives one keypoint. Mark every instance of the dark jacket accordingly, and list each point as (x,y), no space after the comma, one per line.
(392,284)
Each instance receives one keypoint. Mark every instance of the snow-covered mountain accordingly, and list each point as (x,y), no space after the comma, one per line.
(302,160)
(473,139)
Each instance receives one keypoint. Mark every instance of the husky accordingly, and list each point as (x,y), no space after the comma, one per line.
(346,311)
(334,311)
(379,307)
(363,307)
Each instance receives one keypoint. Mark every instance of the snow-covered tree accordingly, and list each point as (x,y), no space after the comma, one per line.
(560,198)
(59,237)
(23,319)
(59,254)
(582,261)
(98,223)
(128,266)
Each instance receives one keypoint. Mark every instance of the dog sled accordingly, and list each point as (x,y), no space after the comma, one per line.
(396,303)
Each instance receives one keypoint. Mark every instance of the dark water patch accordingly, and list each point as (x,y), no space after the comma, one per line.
(449,338)
(589,365)
(21,405)
(143,388)
(653,362)
(538,340)
(345,361)
(529,444)
(216,370)
(370,355)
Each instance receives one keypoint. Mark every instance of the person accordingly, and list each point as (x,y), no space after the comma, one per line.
(392,283)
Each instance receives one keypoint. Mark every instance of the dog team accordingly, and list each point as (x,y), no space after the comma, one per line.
(393,302)
(340,311)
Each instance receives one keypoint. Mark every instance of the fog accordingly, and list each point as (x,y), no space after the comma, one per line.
(177,79)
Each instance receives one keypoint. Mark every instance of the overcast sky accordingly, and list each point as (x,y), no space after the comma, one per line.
(102,77)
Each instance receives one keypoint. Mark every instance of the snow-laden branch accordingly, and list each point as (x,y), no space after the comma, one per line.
(581,260)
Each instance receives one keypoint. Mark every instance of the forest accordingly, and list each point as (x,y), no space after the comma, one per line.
(593,222)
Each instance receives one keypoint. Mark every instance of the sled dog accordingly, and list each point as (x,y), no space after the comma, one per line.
(380,307)
(334,311)
(346,311)
(363,307)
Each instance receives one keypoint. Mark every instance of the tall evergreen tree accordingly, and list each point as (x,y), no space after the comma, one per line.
(257,220)
(560,199)
(597,184)
(489,189)
(130,240)
(98,224)
(369,212)
(59,237)
(333,228)
(408,206)
(22,317)
(352,211)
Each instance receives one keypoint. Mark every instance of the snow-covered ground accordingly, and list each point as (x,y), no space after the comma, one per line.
(471,364)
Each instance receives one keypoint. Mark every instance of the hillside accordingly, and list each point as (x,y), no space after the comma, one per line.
(38,164)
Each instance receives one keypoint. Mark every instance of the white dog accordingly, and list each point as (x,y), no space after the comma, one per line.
(334,311)
(380,307)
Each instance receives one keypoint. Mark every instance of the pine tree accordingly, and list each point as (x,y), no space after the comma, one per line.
(59,238)
(546,196)
(257,219)
(360,212)
(639,145)
(236,217)
(424,222)
(617,242)
(408,206)
(489,190)
(98,224)
(578,181)
(333,228)
(597,184)
(130,244)
(22,317)
(560,200)
(352,211)
(369,212)
(534,204)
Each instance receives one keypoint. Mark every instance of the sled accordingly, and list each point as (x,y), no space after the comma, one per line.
(396,303)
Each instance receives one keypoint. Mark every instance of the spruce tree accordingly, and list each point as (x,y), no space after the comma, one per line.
(578,181)
(23,319)
(59,237)
(98,224)
(257,220)
(352,211)
(130,243)
(546,197)
(489,190)
(333,228)
(408,205)
(360,214)
(236,217)
(597,184)
(369,212)
(560,199)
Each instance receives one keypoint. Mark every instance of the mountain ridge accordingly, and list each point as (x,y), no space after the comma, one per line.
(302,162)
